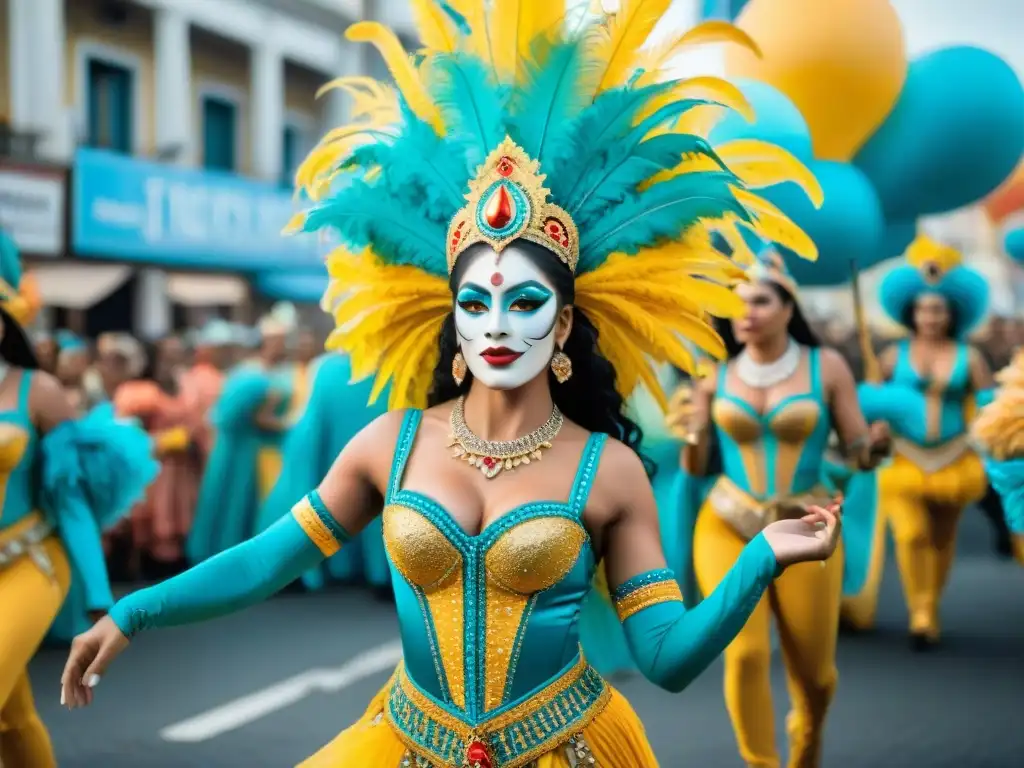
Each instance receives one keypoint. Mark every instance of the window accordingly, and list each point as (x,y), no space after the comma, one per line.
(220,131)
(291,154)
(110,106)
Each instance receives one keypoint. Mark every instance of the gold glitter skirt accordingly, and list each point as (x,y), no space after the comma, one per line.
(613,739)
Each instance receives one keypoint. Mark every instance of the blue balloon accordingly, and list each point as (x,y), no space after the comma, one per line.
(777,121)
(955,134)
(895,239)
(847,228)
(1014,244)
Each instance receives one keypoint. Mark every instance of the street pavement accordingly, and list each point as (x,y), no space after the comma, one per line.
(309,664)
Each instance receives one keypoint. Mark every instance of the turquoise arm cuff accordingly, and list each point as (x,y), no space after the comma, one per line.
(81,536)
(235,579)
(672,645)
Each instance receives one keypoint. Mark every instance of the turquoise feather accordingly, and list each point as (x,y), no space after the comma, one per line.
(577,145)
(615,181)
(472,106)
(665,211)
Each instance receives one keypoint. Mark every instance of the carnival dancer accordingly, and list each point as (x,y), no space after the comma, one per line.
(336,411)
(159,524)
(523,232)
(250,423)
(999,431)
(201,384)
(63,479)
(932,380)
(773,407)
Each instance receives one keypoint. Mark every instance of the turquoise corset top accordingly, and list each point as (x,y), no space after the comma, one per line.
(939,415)
(778,453)
(18,449)
(485,620)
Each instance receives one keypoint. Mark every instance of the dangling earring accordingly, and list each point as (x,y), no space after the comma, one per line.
(459,368)
(561,366)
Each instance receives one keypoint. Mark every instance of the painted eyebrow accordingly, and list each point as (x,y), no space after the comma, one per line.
(530,284)
(474,291)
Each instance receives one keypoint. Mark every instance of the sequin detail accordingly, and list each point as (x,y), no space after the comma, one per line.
(514,738)
(328,538)
(645,597)
(536,554)
(576,750)
(639,581)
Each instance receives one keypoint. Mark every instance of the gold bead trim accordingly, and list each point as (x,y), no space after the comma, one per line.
(315,528)
(645,597)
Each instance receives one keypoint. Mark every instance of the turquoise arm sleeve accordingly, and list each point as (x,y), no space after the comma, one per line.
(984,396)
(235,579)
(81,536)
(672,645)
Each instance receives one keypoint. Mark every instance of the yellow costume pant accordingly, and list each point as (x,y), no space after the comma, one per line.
(805,604)
(29,601)
(923,509)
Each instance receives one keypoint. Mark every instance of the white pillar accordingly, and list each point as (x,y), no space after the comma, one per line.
(152,306)
(267,111)
(19,62)
(173,77)
(49,44)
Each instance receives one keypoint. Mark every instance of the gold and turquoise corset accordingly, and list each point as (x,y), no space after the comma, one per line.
(17,451)
(489,620)
(938,414)
(778,453)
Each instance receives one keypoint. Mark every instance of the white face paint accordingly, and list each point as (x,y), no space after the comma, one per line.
(506,312)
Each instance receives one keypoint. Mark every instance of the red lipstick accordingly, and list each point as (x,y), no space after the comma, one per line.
(500,357)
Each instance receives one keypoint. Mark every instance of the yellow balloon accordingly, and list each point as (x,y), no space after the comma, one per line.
(841,62)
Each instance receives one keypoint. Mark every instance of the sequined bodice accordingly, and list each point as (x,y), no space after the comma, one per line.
(780,452)
(17,453)
(487,619)
(939,414)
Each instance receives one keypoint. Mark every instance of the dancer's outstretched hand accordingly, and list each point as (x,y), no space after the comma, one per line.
(812,537)
(91,652)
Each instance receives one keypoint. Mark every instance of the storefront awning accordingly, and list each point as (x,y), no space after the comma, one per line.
(304,288)
(69,285)
(199,290)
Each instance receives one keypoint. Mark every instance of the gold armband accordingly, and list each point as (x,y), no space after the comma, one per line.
(316,520)
(645,590)
(174,439)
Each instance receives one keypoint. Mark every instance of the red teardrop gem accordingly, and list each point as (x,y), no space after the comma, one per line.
(488,461)
(501,209)
(477,756)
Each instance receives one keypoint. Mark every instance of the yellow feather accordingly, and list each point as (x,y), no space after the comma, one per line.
(702,34)
(437,32)
(760,164)
(475,13)
(700,121)
(773,225)
(630,28)
(514,26)
(406,77)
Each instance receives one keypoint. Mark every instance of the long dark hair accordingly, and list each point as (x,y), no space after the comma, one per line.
(15,347)
(799,329)
(589,398)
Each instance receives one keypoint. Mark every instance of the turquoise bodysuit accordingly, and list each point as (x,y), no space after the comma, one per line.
(489,621)
(53,487)
(780,453)
(938,412)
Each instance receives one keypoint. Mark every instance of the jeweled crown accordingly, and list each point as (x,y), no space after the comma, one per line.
(507,201)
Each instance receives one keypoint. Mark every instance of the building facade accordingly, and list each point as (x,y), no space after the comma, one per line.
(154,143)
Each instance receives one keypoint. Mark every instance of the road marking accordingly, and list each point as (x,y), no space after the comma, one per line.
(259,704)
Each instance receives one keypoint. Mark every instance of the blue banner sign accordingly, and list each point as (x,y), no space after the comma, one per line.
(134,210)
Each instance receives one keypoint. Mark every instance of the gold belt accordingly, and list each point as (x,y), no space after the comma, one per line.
(26,537)
(748,516)
(932,458)
(512,737)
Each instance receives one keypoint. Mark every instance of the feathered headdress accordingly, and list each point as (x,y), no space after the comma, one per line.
(933,267)
(520,120)
(19,294)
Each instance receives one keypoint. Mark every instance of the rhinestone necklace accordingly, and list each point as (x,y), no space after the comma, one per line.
(490,457)
(763,375)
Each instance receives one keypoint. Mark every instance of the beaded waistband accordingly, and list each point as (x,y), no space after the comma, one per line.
(509,739)
(932,458)
(24,538)
(748,516)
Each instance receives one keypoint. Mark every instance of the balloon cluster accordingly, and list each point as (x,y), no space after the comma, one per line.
(889,141)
